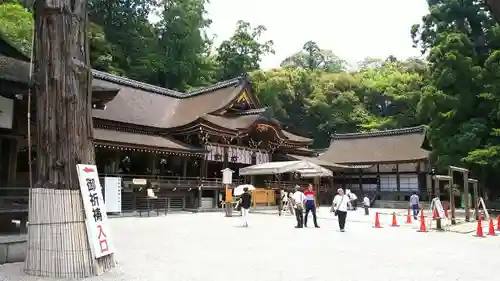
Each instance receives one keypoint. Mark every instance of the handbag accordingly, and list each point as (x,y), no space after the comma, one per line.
(337,210)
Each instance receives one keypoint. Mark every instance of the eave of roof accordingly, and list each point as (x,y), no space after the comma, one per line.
(385,133)
(391,146)
(237,124)
(141,140)
(327,164)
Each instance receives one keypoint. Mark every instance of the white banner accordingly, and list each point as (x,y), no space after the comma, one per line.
(95,211)
(6,112)
(113,194)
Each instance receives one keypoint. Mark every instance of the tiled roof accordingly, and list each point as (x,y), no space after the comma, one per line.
(129,139)
(400,145)
(296,137)
(223,84)
(385,133)
(14,70)
(325,163)
(18,71)
(134,84)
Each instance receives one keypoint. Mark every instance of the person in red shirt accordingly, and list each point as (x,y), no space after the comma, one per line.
(310,205)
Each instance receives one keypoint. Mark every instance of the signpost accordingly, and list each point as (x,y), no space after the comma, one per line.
(113,194)
(227,180)
(95,211)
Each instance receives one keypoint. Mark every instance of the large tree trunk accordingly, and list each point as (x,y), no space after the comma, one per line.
(494,7)
(57,237)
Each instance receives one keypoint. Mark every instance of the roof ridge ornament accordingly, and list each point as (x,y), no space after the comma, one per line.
(384,133)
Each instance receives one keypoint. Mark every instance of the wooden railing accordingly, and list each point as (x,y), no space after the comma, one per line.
(169,182)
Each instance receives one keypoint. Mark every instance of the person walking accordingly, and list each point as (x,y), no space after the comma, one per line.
(339,206)
(415,204)
(298,199)
(354,201)
(310,205)
(366,205)
(245,203)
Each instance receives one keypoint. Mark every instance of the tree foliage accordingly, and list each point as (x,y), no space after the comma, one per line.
(455,91)
(312,57)
(461,95)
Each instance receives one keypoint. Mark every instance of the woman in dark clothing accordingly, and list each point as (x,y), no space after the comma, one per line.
(245,203)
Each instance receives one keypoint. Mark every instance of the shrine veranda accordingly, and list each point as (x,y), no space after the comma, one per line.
(209,246)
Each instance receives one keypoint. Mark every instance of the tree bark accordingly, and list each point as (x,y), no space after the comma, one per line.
(494,8)
(57,239)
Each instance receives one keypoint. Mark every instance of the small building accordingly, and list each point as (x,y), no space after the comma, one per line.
(390,164)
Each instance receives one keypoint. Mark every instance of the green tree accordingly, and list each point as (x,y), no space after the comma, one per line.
(133,39)
(391,91)
(461,98)
(16,23)
(185,48)
(242,52)
(312,57)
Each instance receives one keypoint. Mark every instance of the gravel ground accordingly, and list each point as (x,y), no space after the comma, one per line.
(208,246)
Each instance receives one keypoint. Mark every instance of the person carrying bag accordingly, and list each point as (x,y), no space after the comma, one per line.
(298,199)
(340,205)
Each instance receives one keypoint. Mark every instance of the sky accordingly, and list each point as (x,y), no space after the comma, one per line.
(352,29)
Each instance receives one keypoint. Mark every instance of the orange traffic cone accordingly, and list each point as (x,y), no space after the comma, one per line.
(408,217)
(435,215)
(491,229)
(423,228)
(479,230)
(377,221)
(498,223)
(394,220)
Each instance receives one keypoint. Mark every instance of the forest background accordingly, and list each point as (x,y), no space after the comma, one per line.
(455,91)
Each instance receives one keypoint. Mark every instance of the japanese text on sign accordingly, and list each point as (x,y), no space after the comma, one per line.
(95,211)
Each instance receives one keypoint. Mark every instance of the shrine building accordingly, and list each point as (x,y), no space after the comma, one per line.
(391,164)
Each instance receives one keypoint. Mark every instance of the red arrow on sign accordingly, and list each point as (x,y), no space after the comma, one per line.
(88,170)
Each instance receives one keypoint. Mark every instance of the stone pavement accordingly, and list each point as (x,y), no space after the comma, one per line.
(208,246)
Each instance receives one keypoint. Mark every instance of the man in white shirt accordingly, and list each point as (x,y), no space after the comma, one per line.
(298,199)
(339,206)
(415,204)
(366,205)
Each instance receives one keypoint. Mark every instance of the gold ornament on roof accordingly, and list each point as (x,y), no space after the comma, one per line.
(262,128)
(243,98)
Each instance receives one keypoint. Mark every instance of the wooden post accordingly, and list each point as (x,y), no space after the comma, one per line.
(361,180)
(184,166)
(476,197)
(466,195)
(398,181)
(13,153)
(452,197)
(449,179)
(465,174)
(378,178)
(437,195)
(64,139)
(200,194)
(229,201)
(280,206)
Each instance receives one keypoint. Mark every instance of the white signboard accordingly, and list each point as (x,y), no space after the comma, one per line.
(439,208)
(6,112)
(113,194)
(139,181)
(95,212)
(227,176)
(482,206)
